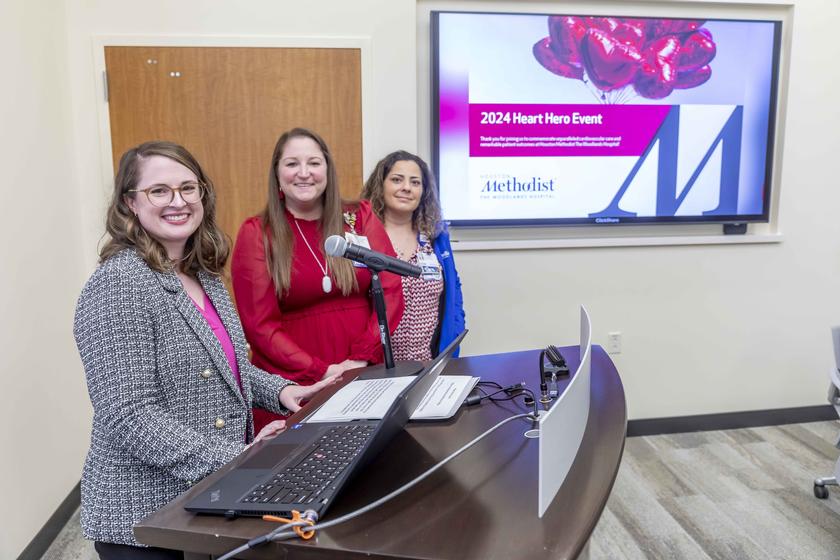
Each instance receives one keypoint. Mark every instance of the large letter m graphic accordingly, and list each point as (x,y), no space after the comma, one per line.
(667,199)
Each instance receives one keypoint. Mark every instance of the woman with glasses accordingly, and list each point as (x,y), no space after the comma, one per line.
(163,351)
(308,316)
(402,193)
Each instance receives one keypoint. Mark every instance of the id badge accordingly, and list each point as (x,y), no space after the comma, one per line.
(358,240)
(430,266)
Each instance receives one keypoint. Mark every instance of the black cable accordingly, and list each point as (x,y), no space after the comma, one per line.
(536,412)
(508,392)
(262,539)
(491,383)
(511,391)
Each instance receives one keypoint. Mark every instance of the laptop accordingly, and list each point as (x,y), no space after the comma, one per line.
(306,466)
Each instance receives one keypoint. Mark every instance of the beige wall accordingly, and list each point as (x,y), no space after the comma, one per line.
(43,405)
(705,328)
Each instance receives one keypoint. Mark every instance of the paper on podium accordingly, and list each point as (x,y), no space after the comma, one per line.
(445,397)
(370,399)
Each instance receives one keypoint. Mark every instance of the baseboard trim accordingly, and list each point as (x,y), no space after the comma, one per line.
(730,420)
(45,537)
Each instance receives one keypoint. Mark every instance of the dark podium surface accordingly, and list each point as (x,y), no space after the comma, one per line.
(483,504)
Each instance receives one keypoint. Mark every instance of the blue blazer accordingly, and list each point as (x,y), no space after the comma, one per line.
(451,320)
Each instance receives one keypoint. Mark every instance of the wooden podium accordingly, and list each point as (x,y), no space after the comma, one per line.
(482,505)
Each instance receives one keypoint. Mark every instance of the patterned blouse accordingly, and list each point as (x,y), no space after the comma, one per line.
(412,339)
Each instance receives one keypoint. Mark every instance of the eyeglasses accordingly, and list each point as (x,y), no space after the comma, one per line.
(163,195)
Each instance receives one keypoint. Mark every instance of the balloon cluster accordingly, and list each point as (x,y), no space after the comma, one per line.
(656,56)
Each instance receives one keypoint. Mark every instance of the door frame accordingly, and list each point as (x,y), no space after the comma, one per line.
(100,42)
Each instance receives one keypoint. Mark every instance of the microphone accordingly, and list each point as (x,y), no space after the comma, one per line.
(337,246)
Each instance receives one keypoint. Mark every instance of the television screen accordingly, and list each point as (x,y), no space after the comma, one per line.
(572,119)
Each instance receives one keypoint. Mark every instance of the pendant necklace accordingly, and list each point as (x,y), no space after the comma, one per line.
(326,281)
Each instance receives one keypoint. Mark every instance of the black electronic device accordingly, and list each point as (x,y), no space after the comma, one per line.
(536,122)
(735,229)
(554,356)
(337,246)
(549,372)
(306,466)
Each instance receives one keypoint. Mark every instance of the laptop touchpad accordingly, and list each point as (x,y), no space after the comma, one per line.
(269,456)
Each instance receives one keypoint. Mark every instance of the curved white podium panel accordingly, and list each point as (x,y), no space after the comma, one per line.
(562,427)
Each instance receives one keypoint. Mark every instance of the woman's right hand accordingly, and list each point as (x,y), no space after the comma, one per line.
(270,430)
(337,369)
(333,370)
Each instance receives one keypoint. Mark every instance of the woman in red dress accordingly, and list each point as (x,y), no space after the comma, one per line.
(307,315)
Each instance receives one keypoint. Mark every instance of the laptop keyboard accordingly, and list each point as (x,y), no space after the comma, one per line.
(303,482)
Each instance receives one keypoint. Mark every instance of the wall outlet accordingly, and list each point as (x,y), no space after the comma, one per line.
(614,342)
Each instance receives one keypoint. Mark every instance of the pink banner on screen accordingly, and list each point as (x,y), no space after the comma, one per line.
(513,130)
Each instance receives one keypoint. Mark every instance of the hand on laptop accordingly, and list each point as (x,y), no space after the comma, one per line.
(292,395)
(270,430)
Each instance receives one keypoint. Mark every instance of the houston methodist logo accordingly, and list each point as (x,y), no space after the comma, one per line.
(507,184)
(514,184)
(667,199)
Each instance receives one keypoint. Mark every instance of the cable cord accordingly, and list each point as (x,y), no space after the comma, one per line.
(255,542)
(283,531)
(512,392)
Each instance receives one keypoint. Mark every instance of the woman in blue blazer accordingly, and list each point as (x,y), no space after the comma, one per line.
(163,351)
(403,195)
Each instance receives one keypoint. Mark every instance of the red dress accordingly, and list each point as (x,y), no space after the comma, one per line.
(301,334)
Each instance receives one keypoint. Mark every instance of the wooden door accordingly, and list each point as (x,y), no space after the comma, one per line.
(228,105)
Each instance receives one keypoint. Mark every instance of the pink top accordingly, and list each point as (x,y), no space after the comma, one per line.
(212,317)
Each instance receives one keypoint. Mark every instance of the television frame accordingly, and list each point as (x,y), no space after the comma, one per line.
(773,111)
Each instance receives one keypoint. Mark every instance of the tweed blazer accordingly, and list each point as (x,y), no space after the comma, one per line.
(167,410)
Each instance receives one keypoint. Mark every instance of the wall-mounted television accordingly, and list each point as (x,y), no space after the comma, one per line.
(583,119)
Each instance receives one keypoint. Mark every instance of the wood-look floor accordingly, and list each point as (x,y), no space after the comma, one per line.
(724,495)
(734,494)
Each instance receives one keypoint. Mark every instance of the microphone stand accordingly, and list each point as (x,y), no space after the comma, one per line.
(391,369)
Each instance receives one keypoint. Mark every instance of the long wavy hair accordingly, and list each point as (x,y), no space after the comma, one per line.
(426,218)
(277,235)
(207,248)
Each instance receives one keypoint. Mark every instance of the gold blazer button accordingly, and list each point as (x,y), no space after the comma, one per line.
(220,423)
(206,373)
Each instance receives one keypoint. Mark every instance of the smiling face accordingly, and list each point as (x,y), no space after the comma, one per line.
(173,224)
(302,176)
(403,188)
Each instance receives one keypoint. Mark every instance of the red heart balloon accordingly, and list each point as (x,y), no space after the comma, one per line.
(686,25)
(698,50)
(658,27)
(547,56)
(566,33)
(629,35)
(658,73)
(603,23)
(653,88)
(693,78)
(664,49)
(637,22)
(609,63)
